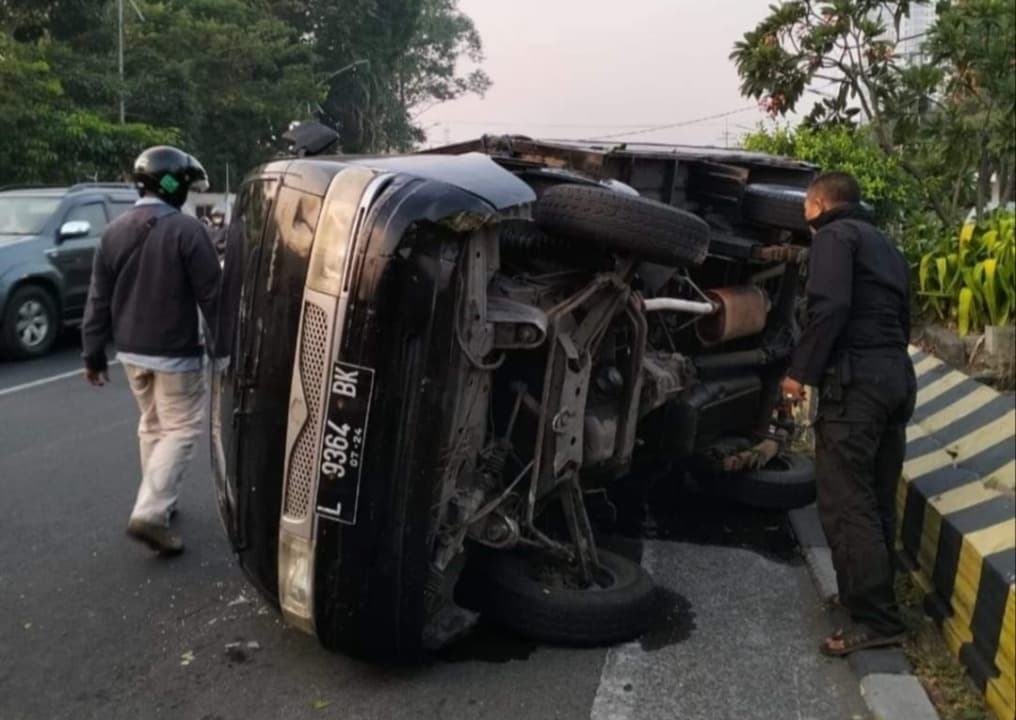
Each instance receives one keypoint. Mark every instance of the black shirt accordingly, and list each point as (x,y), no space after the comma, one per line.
(145,296)
(218,234)
(858,294)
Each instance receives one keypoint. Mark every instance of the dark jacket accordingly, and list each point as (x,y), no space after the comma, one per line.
(145,296)
(858,294)
(218,235)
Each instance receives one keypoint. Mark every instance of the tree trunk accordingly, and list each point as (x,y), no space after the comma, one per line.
(983,182)
(1006,181)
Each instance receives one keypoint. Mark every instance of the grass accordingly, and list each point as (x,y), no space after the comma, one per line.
(944,679)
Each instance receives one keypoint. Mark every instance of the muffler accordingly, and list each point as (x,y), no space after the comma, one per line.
(741,311)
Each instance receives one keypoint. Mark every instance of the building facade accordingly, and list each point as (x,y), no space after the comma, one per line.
(913,31)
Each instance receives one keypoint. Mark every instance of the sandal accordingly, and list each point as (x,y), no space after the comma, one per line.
(859,638)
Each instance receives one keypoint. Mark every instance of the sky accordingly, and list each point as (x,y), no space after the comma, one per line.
(592,68)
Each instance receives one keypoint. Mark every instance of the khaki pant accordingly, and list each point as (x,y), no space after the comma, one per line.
(172,407)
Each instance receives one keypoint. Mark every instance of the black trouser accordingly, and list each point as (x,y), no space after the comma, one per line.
(864,407)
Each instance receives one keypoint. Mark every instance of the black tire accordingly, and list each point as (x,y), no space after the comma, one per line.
(526,236)
(624,223)
(778,206)
(505,588)
(785,483)
(30,323)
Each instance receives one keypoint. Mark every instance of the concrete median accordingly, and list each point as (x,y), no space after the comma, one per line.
(958,521)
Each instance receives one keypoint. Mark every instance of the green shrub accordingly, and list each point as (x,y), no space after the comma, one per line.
(972,278)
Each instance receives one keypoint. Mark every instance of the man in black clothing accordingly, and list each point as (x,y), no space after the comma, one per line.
(217,231)
(854,350)
(154,268)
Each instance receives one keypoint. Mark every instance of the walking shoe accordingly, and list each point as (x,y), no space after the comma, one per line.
(158,538)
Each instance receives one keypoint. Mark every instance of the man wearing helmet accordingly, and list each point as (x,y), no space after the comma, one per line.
(153,269)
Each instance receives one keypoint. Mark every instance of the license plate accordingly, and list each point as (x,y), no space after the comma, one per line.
(343,441)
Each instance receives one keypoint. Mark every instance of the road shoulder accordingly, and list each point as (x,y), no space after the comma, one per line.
(887,681)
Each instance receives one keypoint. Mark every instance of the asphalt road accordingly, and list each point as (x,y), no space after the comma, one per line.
(93,626)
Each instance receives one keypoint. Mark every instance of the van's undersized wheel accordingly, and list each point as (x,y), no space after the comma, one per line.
(784,483)
(624,223)
(779,206)
(539,596)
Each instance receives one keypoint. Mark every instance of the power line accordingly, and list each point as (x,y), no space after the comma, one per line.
(632,128)
(682,123)
(516,123)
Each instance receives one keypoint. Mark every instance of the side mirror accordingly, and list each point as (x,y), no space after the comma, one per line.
(74,229)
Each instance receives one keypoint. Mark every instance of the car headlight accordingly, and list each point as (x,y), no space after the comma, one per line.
(296,581)
(332,239)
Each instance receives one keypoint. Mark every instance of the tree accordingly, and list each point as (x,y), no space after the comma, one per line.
(974,44)
(915,111)
(93,148)
(34,20)
(44,139)
(226,78)
(228,73)
(28,96)
(385,61)
(426,73)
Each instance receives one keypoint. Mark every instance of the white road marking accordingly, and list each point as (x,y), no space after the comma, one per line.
(46,380)
(620,668)
(616,695)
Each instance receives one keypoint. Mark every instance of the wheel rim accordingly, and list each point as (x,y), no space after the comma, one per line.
(779,464)
(562,577)
(32,325)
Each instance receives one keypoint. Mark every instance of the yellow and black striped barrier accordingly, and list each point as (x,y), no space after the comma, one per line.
(958,520)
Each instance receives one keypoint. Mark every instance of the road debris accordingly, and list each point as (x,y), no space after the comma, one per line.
(187,658)
(238,651)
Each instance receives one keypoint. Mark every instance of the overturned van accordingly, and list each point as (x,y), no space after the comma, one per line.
(436,358)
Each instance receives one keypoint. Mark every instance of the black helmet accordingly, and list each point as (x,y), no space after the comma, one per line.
(168,173)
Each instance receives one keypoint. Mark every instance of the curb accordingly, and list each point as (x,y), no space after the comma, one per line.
(888,685)
(957,510)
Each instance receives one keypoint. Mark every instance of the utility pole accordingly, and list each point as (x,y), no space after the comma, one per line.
(119,12)
(123,89)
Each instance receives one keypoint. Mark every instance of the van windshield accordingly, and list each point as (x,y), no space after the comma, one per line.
(25,215)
